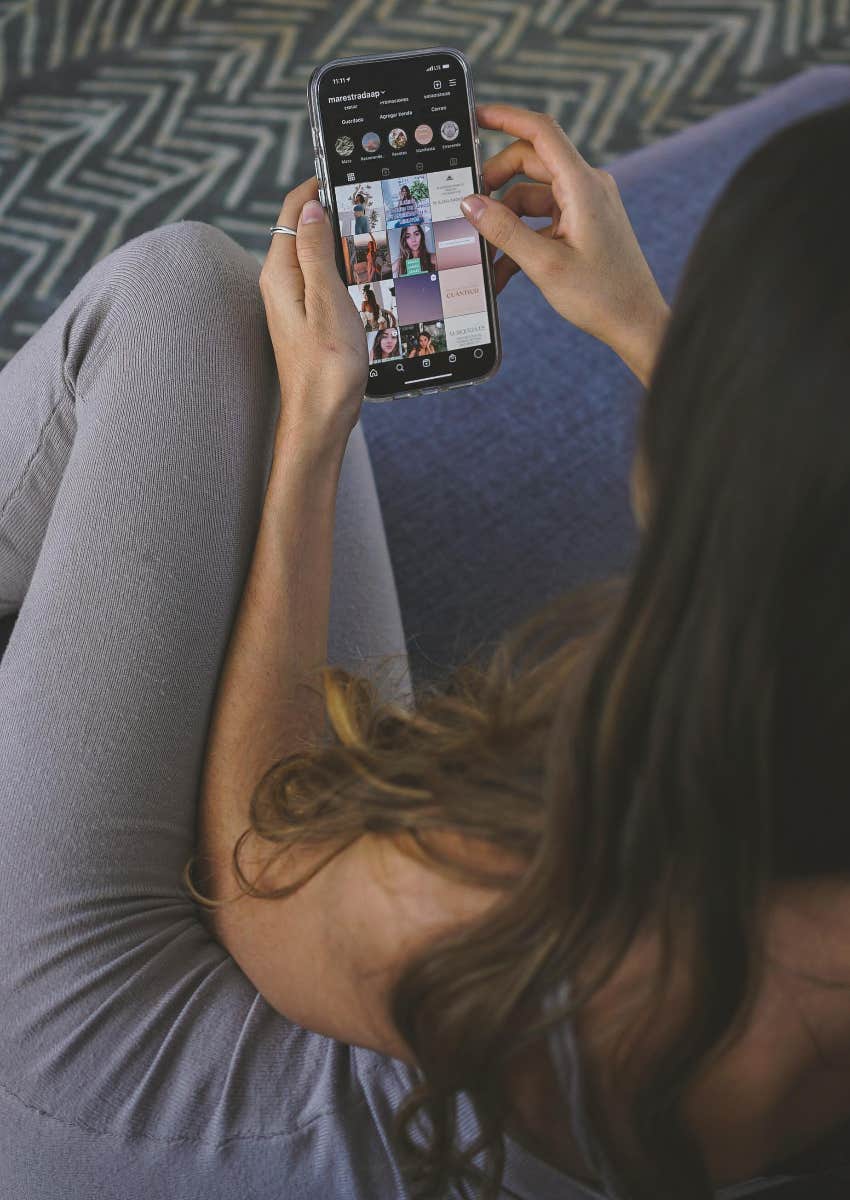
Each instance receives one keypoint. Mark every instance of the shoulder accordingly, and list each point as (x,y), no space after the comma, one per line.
(329,955)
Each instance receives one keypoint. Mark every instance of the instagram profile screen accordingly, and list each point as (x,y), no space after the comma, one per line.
(399,159)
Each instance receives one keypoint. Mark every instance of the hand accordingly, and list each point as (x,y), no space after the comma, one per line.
(587,263)
(317,334)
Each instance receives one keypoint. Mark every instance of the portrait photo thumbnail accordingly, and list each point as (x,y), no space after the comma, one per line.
(423,338)
(412,249)
(384,344)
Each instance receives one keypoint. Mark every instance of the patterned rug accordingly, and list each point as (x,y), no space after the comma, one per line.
(121,115)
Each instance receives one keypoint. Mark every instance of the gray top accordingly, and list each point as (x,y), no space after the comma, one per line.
(136,1058)
(139,1061)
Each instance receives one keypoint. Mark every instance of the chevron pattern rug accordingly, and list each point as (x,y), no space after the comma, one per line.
(121,115)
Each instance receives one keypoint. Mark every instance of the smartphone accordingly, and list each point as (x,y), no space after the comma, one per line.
(397,149)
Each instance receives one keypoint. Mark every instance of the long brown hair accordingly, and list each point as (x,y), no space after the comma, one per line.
(426,262)
(660,748)
(370,301)
(378,348)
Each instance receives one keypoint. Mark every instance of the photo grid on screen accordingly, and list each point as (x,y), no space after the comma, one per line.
(412,263)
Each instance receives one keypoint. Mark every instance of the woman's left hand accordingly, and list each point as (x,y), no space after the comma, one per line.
(318,336)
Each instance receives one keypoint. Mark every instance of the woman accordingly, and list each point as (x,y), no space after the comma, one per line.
(405,205)
(423,344)
(373,271)
(375,317)
(361,218)
(624,762)
(627,771)
(412,246)
(386,345)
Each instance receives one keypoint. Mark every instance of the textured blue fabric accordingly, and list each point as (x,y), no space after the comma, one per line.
(136,1060)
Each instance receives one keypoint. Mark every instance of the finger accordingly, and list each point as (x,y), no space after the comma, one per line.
(530,200)
(505,268)
(316,249)
(501,227)
(545,152)
(519,158)
(282,267)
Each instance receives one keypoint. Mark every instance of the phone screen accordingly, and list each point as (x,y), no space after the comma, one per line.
(399,153)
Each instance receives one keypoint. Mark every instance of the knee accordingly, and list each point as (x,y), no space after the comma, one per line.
(179,303)
(191,295)
(192,261)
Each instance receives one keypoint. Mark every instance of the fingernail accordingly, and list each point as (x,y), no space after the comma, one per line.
(312,211)
(473,206)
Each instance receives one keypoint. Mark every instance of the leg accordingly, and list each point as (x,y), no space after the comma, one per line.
(136,431)
(37,428)
(518,488)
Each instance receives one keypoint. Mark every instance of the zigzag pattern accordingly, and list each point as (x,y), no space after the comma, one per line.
(116,119)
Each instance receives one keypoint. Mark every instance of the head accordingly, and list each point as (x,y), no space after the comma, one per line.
(386,344)
(404,192)
(665,749)
(412,245)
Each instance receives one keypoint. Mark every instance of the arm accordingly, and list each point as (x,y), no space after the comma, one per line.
(317,958)
(280,633)
(639,347)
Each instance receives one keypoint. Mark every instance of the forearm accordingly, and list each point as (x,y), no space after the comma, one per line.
(639,347)
(280,635)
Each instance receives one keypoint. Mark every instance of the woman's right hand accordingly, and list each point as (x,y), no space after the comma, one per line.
(588,262)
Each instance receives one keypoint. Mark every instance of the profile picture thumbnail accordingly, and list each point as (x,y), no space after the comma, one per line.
(370,142)
(423,134)
(397,138)
(449,130)
(344,145)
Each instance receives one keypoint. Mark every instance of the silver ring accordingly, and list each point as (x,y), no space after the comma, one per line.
(282,229)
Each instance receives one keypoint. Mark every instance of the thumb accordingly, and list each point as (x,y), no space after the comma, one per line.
(502,228)
(314,245)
